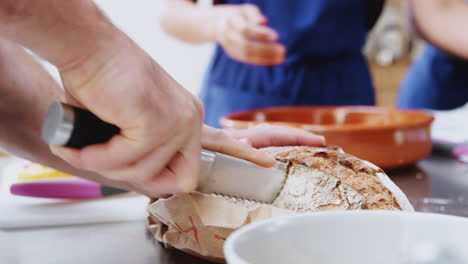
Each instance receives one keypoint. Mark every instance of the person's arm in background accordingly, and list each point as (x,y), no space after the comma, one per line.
(240,29)
(443,23)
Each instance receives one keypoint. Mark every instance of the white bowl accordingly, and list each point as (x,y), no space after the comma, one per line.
(352,237)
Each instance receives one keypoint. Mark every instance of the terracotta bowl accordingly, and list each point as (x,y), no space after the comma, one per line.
(387,137)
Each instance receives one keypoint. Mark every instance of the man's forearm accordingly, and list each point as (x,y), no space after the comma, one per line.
(27,91)
(443,23)
(62,32)
(187,22)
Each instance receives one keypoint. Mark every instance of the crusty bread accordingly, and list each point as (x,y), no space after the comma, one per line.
(308,189)
(329,179)
(353,174)
(317,179)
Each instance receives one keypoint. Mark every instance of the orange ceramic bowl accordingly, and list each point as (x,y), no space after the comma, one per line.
(387,137)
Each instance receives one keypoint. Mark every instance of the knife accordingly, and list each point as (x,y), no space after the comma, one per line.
(70,126)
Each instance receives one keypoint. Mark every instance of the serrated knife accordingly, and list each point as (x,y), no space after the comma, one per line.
(69,126)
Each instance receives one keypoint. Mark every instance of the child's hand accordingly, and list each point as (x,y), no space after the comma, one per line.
(241,31)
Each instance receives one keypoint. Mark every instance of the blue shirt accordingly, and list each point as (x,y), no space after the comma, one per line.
(324,63)
(436,80)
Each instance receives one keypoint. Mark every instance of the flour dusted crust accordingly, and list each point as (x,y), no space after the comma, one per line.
(363,185)
(308,189)
(329,179)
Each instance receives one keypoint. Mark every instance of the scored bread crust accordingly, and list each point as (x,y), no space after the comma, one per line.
(307,189)
(379,191)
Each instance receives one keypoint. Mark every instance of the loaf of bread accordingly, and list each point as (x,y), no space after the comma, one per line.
(317,179)
(328,178)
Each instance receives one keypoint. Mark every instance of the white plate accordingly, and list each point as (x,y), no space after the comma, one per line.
(352,237)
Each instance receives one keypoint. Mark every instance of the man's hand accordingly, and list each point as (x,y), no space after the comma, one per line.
(242,143)
(158,149)
(242,32)
(28,91)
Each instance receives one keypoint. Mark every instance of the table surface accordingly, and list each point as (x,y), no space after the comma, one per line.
(435,184)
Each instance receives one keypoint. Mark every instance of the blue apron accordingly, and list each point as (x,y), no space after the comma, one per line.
(436,80)
(324,63)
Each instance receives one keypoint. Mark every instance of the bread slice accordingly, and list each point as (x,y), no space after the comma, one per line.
(352,174)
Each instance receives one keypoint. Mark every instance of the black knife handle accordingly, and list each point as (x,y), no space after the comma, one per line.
(70,126)
(88,130)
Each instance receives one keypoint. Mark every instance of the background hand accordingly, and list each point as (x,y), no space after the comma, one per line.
(243,34)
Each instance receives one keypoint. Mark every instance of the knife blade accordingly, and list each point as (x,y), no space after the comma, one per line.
(69,126)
